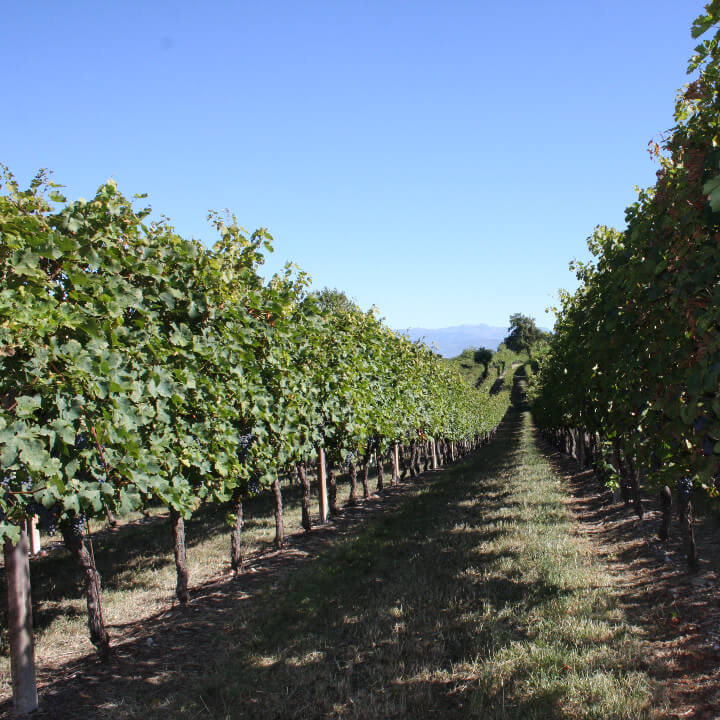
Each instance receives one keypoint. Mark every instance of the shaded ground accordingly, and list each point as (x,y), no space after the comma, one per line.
(171,636)
(482,591)
(678,611)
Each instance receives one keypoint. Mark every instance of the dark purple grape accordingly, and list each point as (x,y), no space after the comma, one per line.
(244,443)
(684,487)
(77,522)
(700,423)
(47,517)
(254,484)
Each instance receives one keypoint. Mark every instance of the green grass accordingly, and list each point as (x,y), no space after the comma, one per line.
(473,373)
(471,599)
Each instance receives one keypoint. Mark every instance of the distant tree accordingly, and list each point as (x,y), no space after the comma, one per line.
(524,334)
(483,356)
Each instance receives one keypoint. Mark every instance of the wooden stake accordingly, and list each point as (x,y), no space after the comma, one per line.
(322,476)
(279,524)
(396,465)
(34,535)
(306,520)
(181,568)
(22,649)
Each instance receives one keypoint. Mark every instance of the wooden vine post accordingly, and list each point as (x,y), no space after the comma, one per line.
(322,477)
(34,535)
(396,464)
(22,648)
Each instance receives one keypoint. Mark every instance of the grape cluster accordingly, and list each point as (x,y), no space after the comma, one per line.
(11,477)
(5,483)
(700,423)
(350,458)
(82,442)
(47,517)
(244,443)
(684,487)
(254,484)
(76,522)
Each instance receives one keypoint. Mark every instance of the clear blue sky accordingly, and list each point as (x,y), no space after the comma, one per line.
(441,160)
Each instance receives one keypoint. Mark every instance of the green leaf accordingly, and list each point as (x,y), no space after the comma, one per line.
(90,498)
(26,264)
(701,25)
(27,405)
(65,431)
(71,503)
(9,531)
(165,388)
(712,189)
(33,454)
(57,197)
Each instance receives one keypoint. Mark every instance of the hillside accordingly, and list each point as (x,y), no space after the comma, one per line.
(474,372)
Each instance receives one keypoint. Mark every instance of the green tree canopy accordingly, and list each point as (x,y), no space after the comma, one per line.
(483,355)
(524,334)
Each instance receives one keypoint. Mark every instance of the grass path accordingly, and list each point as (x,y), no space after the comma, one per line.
(472,598)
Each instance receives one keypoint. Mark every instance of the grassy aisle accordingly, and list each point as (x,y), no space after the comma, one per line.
(467,596)
(471,600)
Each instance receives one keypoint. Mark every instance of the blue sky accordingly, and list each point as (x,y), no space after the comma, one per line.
(441,160)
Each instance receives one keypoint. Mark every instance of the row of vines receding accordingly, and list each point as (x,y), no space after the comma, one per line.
(141,369)
(631,379)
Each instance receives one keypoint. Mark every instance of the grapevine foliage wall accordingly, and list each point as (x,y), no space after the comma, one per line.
(137,366)
(636,351)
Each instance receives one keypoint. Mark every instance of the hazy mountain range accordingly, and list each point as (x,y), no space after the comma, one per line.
(451,341)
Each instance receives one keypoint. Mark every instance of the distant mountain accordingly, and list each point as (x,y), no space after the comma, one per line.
(451,341)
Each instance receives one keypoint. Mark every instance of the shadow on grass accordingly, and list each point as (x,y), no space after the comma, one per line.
(376,625)
(678,610)
(145,544)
